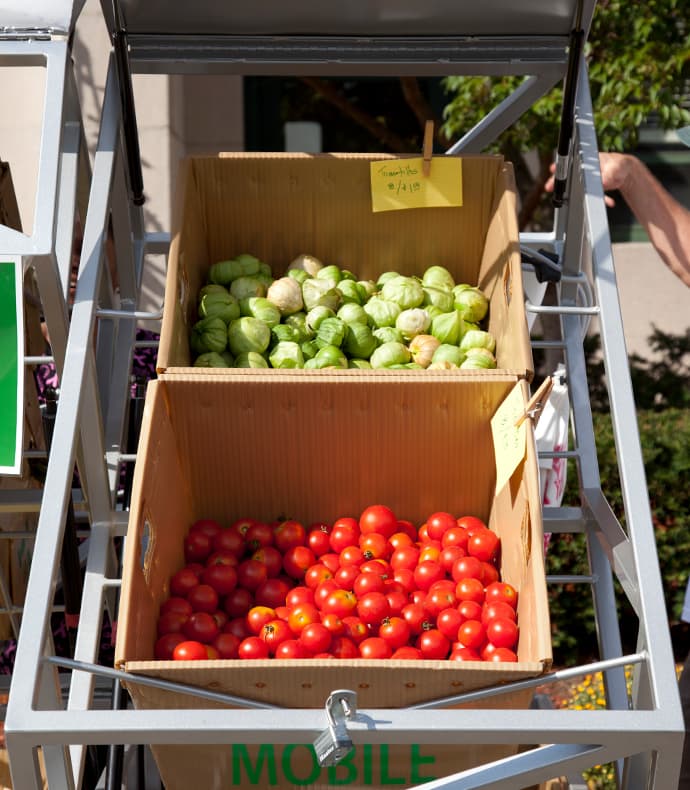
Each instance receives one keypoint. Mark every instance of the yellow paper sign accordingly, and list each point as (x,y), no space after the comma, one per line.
(510,442)
(400,183)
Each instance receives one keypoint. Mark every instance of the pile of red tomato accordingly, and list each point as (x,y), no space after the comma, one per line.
(375,587)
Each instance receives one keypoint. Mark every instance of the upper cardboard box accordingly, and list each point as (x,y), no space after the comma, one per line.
(277,206)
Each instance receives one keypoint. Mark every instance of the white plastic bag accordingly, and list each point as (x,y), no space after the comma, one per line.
(551,435)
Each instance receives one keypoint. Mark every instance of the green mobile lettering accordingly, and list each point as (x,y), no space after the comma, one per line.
(416,761)
(241,759)
(386,779)
(368,777)
(289,774)
(348,764)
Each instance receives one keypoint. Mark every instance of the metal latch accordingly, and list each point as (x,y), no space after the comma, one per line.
(335,743)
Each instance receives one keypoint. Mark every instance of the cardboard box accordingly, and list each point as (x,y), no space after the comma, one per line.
(277,206)
(278,443)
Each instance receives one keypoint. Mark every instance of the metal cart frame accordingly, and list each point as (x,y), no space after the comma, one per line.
(643,734)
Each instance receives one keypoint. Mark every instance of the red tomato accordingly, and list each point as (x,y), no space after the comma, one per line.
(374,545)
(258,535)
(201,627)
(315,574)
(290,648)
(405,578)
(472,634)
(331,560)
(503,654)
(238,602)
(448,621)
(438,599)
(341,603)
(355,628)
(405,557)
(176,604)
(397,600)
(251,574)
(455,536)
(289,534)
(467,568)
(301,616)
(351,555)
(238,626)
(433,644)
(208,526)
(430,552)
(484,545)
(490,573)
(203,598)
(379,566)
(274,632)
(375,647)
(182,582)
(333,623)
(191,650)
(460,653)
(230,540)
(271,558)
(470,610)
(415,616)
(258,616)
(449,556)
(408,653)
(241,525)
(470,590)
(378,518)
(502,632)
(395,631)
(345,533)
(438,523)
(166,644)
(368,582)
(502,591)
(471,523)
(493,609)
(197,546)
(319,538)
(272,593)
(226,644)
(342,647)
(323,591)
(252,647)
(345,576)
(299,594)
(315,637)
(222,578)
(373,607)
(399,540)
(171,622)
(297,560)
(426,573)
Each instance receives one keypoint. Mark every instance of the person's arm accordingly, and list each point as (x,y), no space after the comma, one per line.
(665,220)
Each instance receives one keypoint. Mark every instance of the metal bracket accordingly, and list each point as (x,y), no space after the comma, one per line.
(335,743)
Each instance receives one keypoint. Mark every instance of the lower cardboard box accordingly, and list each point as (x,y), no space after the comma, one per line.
(284,445)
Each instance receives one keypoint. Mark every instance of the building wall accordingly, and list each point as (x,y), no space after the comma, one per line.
(179,115)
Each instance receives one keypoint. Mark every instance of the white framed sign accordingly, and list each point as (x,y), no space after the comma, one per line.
(11,364)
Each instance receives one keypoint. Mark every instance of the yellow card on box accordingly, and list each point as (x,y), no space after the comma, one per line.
(510,442)
(400,183)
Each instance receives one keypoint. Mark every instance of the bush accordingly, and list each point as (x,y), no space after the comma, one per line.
(661,388)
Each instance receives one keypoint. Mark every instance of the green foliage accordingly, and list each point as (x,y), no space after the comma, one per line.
(638,61)
(661,390)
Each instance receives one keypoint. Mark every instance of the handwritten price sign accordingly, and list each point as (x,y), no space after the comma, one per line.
(400,183)
(510,440)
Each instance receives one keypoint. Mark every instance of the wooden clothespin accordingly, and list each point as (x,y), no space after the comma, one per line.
(428,148)
(535,405)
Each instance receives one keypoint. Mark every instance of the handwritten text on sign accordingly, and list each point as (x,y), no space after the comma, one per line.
(400,183)
(509,440)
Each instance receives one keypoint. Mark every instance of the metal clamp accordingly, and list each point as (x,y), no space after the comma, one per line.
(335,743)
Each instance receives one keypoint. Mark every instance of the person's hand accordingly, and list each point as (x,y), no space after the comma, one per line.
(615,171)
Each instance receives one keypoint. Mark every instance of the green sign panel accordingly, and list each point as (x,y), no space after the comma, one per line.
(11,366)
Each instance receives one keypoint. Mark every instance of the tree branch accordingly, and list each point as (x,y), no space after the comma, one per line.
(421,108)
